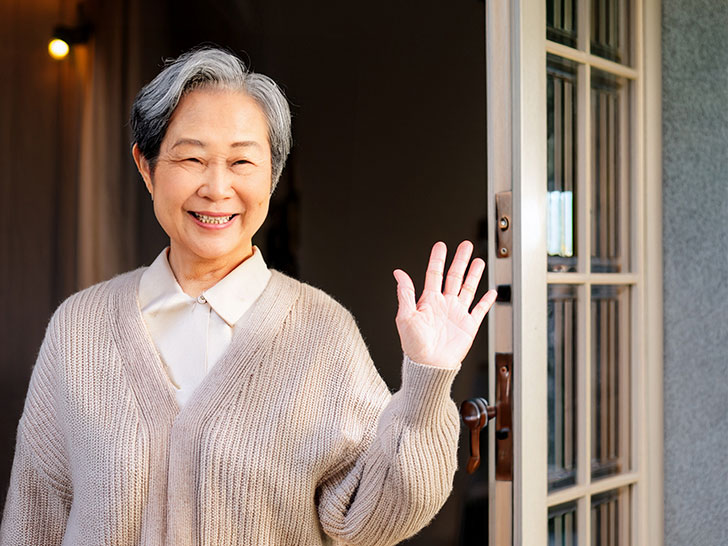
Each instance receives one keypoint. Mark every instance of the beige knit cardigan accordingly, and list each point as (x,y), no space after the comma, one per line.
(292,439)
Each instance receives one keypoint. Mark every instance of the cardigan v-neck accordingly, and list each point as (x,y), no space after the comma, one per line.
(191,334)
(292,439)
(269,311)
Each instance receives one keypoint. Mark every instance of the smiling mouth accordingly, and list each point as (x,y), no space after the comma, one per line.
(213,219)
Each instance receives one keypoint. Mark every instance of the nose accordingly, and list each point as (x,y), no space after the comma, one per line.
(217,182)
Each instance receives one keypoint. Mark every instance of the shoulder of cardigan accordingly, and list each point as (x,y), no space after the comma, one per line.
(110,311)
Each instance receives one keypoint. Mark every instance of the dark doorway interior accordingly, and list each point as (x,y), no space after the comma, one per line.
(389,157)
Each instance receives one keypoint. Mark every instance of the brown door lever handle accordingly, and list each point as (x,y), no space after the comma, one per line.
(476,413)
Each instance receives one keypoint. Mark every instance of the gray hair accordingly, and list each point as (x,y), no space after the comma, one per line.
(208,67)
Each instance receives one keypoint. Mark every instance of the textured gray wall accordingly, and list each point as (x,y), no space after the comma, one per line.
(695,163)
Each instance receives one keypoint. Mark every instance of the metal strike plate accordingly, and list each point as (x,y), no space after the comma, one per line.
(504,293)
(504,224)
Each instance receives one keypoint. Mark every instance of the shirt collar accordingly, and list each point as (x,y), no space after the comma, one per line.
(230,298)
(159,289)
(233,295)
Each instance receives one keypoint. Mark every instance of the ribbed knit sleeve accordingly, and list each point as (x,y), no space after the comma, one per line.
(39,494)
(403,472)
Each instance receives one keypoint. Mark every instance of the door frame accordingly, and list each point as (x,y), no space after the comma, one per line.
(516,116)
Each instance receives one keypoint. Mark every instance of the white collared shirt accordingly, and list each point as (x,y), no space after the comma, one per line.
(191,334)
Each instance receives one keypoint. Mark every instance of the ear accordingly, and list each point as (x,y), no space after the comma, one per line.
(144,168)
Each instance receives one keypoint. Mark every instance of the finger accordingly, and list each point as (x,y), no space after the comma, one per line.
(484,305)
(455,274)
(470,286)
(405,293)
(435,267)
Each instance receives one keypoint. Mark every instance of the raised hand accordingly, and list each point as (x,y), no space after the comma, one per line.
(439,328)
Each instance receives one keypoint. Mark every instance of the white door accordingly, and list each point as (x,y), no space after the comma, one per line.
(574,237)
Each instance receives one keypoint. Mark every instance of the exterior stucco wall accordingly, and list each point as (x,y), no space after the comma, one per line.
(695,200)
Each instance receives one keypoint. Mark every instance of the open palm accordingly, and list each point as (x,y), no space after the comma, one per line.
(439,328)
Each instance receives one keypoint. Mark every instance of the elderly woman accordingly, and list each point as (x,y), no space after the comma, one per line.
(208,400)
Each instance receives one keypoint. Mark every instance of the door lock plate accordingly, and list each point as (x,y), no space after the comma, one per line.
(504,226)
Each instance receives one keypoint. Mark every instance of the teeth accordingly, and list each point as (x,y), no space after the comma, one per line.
(213,219)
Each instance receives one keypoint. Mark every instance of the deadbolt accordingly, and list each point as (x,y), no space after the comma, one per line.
(504,235)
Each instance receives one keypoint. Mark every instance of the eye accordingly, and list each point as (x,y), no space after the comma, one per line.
(242,162)
(193,160)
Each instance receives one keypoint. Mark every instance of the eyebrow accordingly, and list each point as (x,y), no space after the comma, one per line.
(190,141)
(245,144)
(200,144)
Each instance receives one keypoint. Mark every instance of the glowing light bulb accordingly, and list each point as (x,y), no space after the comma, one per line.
(58,49)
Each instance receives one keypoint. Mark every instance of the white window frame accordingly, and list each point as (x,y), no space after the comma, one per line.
(516,70)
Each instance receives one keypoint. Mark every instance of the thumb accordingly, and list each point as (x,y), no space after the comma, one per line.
(405,293)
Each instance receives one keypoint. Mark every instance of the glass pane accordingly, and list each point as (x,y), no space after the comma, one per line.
(610,379)
(562,370)
(561,21)
(562,525)
(610,135)
(562,149)
(610,29)
(610,521)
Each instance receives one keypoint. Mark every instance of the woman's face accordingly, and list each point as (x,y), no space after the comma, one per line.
(211,184)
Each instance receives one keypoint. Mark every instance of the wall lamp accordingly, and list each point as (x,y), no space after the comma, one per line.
(64,37)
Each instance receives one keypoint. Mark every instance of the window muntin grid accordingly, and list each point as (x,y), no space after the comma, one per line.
(561,21)
(610,29)
(604,281)
(563,525)
(561,156)
(610,400)
(610,517)
(609,172)
(563,321)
